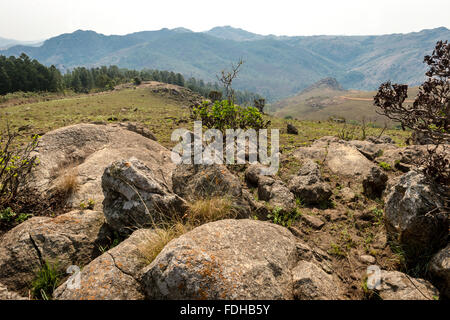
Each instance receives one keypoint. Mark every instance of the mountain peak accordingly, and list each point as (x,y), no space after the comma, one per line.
(235,34)
(326,83)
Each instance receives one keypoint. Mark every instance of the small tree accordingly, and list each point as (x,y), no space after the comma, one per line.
(16,164)
(259,104)
(227,77)
(429,115)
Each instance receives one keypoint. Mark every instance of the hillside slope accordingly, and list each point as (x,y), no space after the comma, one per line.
(275,67)
(327,99)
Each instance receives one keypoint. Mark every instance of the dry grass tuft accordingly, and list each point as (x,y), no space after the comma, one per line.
(154,245)
(67,183)
(209,210)
(198,213)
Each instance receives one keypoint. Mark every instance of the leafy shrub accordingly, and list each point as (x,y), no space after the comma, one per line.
(385,166)
(224,115)
(282,217)
(16,164)
(429,115)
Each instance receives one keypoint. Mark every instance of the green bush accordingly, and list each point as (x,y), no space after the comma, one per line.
(224,115)
(282,217)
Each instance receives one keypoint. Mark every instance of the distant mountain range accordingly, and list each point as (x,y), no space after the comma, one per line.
(8,43)
(275,66)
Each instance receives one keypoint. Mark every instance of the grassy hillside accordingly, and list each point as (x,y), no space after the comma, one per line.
(276,67)
(324,103)
(161,113)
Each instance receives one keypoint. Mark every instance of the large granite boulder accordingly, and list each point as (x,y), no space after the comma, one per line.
(136,198)
(235,259)
(399,286)
(412,215)
(440,270)
(81,153)
(70,239)
(115,275)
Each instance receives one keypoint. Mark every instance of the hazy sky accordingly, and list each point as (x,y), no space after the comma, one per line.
(41,19)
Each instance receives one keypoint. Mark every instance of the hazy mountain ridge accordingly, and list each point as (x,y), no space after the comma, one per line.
(275,67)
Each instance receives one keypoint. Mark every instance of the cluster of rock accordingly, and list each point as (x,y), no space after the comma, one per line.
(227,259)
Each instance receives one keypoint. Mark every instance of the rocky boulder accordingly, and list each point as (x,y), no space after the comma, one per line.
(412,215)
(270,189)
(5,294)
(81,152)
(309,186)
(238,259)
(228,259)
(440,269)
(313,283)
(374,183)
(276,193)
(399,286)
(69,239)
(193,182)
(135,197)
(115,274)
(341,157)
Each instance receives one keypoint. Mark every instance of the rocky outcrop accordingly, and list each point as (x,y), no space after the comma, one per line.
(135,198)
(374,183)
(399,286)
(313,283)
(82,152)
(270,189)
(309,186)
(193,182)
(115,274)
(341,157)
(236,259)
(440,270)
(69,239)
(412,215)
(228,259)
(5,294)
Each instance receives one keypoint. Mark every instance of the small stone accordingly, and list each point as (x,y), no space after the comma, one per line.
(367,259)
(313,222)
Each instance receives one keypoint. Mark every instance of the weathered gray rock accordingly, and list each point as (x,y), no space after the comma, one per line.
(308,184)
(85,150)
(369,149)
(341,157)
(115,275)
(440,269)
(135,198)
(69,239)
(228,259)
(193,182)
(348,195)
(398,286)
(312,283)
(347,161)
(5,294)
(313,222)
(367,259)
(411,215)
(380,140)
(374,183)
(276,193)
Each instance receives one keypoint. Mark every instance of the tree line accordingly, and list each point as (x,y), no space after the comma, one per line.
(27,75)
